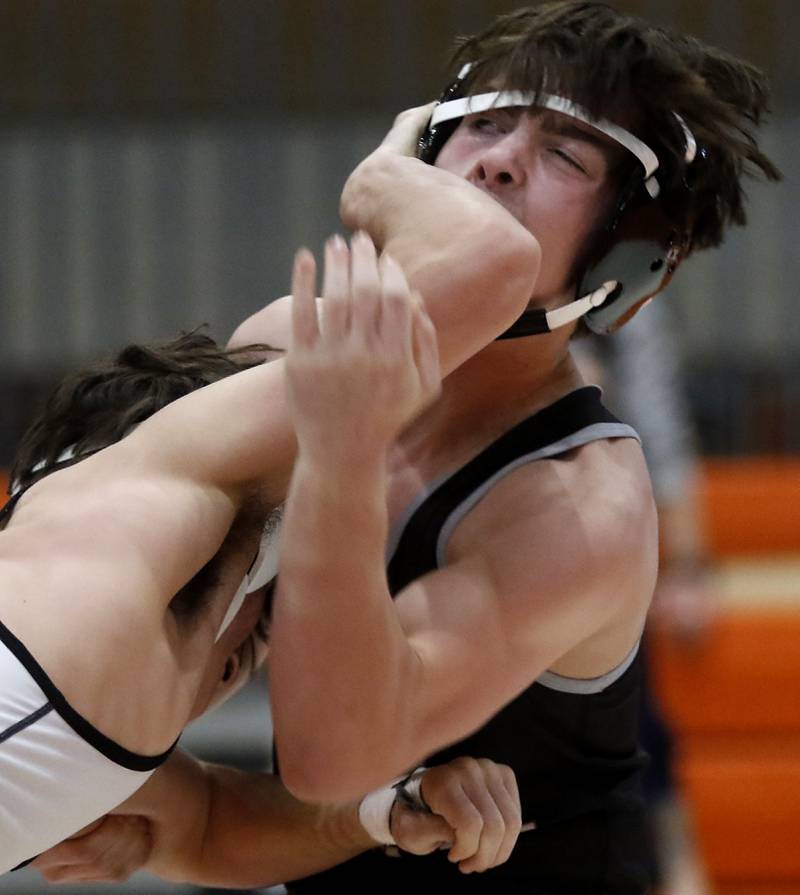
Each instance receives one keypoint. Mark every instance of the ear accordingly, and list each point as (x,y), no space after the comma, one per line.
(231,668)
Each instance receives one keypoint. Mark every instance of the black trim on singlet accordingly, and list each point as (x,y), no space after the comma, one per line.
(552,424)
(8,508)
(83,728)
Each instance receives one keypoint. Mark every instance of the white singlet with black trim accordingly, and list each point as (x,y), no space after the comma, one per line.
(58,773)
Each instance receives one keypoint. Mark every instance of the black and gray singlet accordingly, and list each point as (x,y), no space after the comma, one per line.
(572,743)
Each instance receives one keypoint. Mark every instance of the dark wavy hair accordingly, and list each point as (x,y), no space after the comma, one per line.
(101,403)
(621,68)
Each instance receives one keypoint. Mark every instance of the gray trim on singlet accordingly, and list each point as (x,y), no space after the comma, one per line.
(585,686)
(595,432)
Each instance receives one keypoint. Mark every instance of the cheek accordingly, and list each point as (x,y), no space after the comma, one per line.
(561,223)
(453,155)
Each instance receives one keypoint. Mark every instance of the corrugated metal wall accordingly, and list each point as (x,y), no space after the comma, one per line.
(110,234)
(160,160)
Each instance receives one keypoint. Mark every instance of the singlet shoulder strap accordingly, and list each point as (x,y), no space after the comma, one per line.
(574,420)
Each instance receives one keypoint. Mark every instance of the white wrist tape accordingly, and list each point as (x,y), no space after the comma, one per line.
(375,810)
(412,790)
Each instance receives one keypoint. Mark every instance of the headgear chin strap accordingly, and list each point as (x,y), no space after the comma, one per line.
(537,321)
(640,249)
(261,572)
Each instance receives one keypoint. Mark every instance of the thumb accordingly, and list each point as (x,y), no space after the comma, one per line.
(420,832)
(407,128)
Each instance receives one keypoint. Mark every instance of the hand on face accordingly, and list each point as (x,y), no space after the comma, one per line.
(551,175)
(359,372)
(407,129)
(476,814)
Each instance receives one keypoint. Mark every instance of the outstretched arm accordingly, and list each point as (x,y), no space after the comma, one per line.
(218,826)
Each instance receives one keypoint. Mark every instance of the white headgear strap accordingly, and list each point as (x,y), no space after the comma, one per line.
(503,99)
(263,570)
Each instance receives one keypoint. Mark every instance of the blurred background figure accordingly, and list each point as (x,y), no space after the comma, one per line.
(160,162)
(640,370)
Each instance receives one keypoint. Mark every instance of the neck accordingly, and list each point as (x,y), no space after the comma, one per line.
(501,385)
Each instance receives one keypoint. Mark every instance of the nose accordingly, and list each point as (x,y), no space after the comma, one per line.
(501,165)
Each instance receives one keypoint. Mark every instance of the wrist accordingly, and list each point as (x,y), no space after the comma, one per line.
(375,809)
(352,460)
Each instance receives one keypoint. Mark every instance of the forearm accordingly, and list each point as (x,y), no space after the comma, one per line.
(341,667)
(218,826)
(473,263)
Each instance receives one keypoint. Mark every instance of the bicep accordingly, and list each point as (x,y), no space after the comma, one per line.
(234,433)
(485,627)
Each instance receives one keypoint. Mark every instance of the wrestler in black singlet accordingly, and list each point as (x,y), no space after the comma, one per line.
(571,743)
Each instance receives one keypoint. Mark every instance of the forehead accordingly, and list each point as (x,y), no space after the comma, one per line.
(617,135)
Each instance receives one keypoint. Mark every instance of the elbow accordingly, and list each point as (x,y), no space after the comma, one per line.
(329,771)
(323,778)
(311,781)
(516,263)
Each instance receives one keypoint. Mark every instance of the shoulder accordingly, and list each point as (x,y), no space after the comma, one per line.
(585,521)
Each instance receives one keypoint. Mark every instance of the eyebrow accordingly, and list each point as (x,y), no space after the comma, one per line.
(554,124)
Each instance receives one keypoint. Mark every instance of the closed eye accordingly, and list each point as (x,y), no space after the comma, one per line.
(569,159)
(483,124)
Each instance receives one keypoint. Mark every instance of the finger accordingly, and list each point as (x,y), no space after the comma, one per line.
(365,291)
(305,326)
(467,823)
(501,819)
(67,854)
(492,828)
(511,809)
(407,128)
(78,874)
(426,349)
(419,832)
(395,329)
(335,289)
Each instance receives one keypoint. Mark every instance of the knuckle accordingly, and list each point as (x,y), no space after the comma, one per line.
(473,825)
(486,766)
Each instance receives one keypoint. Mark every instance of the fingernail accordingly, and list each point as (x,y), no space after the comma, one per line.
(337,242)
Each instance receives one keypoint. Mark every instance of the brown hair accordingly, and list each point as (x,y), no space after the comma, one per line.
(621,68)
(100,404)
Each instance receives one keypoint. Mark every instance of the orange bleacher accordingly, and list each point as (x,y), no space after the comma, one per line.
(734,700)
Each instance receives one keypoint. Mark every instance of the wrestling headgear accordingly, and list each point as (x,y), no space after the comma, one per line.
(639,249)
